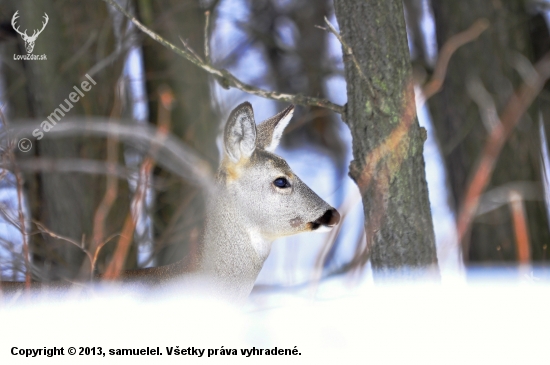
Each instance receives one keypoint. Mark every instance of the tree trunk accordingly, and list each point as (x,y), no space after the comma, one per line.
(490,62)
(179,209)
(65,203)
(388,165)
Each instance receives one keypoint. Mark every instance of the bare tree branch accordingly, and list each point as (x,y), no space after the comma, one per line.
(348,51)
(92,258)
(227,79)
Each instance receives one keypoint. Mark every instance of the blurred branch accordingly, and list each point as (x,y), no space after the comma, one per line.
(500,196)
(485,103)
(111,188)
(513,111)
(116,265)
(519,218)
(172,154)
(69,165)
(433,86)
(206,38)
(227,79)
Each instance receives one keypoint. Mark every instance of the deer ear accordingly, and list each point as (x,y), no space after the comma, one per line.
(271,130)
(240,133)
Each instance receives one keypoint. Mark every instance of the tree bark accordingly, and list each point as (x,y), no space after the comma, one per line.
(493,61)
(179,209)
(65,203)
(388,165)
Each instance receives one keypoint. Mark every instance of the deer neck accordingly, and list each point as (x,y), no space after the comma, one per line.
(233,252)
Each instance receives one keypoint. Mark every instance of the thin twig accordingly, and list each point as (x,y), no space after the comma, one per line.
(99,247)
(228,79)
(52,234)
(192,52)
(348,51)
(6,215)
(80,245)
(91,258)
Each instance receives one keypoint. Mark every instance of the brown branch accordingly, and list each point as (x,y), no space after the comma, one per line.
(225,77)
(111,188)
(521,231)
(91,258)
(449,48)
(114,269)
(43,229)
(513,111)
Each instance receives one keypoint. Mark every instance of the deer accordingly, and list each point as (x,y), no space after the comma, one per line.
(29,40)
(256,200)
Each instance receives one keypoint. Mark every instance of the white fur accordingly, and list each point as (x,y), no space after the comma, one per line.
(278,132)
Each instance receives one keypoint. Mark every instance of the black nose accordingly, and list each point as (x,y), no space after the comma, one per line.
(329,219)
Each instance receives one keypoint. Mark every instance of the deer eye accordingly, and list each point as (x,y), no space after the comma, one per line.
(281,182)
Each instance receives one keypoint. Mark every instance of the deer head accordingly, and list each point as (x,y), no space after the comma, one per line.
(29,40)
(271,196)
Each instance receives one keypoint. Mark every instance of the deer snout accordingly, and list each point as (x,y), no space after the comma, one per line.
(328,220)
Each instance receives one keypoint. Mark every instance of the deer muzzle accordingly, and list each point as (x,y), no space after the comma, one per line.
(328,220)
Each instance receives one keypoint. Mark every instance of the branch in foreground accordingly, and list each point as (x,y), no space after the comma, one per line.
(171,154)
(227,79)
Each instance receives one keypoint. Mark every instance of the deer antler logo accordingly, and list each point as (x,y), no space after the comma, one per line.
(29,40)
